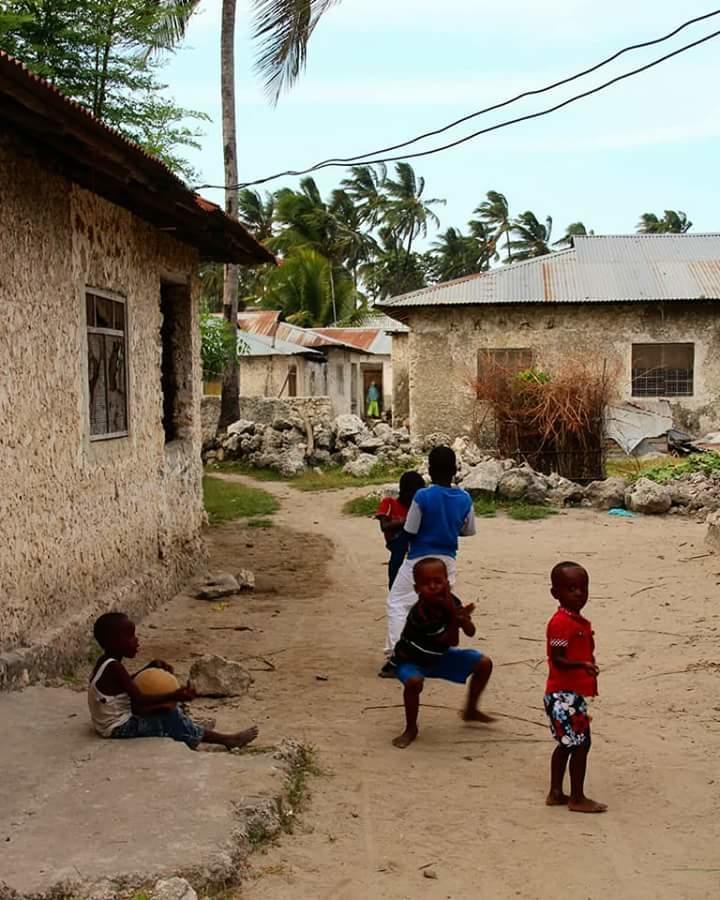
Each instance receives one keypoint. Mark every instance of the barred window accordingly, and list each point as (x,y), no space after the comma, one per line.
(663,370)
(107,365)
(511,359)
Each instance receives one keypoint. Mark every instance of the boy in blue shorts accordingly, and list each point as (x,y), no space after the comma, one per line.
(428,647)
(438,516)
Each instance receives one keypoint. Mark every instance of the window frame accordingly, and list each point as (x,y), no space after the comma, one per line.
(661,370)
(494,352)
(107,332)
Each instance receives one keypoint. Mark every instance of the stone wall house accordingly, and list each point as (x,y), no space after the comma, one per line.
(101,504)
(648,304)
(338,363)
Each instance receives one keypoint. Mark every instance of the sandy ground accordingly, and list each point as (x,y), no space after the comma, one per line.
(465,803)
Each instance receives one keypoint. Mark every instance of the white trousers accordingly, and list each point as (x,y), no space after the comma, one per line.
(402,597)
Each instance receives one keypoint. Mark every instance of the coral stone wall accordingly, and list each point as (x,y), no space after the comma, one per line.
(85,525)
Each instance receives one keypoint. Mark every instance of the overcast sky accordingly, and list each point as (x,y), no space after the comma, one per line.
(382,71)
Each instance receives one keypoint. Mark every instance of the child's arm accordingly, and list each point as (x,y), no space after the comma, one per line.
(413,520)
(562,662)
(464,615)
(119,681)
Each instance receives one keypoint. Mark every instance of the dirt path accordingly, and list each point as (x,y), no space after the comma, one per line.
(467,802)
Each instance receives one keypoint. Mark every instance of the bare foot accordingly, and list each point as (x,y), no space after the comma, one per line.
(405,739)
(557,799)
(474,715)
(586,805)
(242,738)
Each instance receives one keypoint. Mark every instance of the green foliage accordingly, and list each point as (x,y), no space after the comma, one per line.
(225,501)
(103,54)
(487,507)
(366,506)
(702,463)
(672,222)
(218,340)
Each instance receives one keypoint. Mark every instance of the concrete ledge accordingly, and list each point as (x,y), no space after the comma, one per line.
(83,814)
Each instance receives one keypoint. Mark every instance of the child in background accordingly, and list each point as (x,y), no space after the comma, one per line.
(119,709)
(428,647)
(438,516)
(392,514)
(572,677)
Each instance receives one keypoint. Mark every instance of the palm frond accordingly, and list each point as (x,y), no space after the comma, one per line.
(282,29)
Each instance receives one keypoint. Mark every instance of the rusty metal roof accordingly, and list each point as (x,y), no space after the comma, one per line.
(67,138)
(260,321)
(599,269)
(369,340)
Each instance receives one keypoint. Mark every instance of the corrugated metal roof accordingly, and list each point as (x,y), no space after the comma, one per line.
(102,160)
(369,340)
(600,268)
(262,345)
(384,323)
(260,321)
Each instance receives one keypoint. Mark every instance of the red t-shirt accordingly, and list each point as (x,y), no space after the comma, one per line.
(391,508)
(574,634)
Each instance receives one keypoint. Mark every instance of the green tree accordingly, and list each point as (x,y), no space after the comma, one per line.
(573,230)
(455,255)
(257,213)
(406,212)
(392,271)
(218,340)
(103,54)
(366,188)
(532,237)
(308,291)
(672,222)
(494,213)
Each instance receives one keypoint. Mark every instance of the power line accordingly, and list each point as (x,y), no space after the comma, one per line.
(341,163)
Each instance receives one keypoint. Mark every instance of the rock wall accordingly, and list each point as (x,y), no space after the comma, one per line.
(84,525)
(264,410)
(444,345)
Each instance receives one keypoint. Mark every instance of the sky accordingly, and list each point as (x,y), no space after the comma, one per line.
(382,71)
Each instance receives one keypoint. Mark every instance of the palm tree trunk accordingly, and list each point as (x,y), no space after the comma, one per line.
(230,402)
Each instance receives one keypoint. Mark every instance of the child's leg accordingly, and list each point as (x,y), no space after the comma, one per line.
(479,679)
(401,597)
(231,741)
(558,765)
(578,766)
(411,699)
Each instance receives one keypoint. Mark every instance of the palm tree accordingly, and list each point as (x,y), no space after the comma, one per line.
(567,241)
(307,291)
(672,222)
(391,271)
(533,238)
(406,212)
(257,213)
(495,213)
(455,255)
(366,188)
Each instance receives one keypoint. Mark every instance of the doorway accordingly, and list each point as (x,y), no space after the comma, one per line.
(369,376)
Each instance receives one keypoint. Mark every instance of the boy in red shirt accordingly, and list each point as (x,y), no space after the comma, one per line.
(572,677)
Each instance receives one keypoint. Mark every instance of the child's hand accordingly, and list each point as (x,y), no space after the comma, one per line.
(161,664)
(465,612)
(185,693)
(592,669)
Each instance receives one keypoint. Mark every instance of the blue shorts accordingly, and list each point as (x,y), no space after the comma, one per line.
(172,724)
(455,665)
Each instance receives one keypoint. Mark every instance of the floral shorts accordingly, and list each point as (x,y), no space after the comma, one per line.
(172,724)
(569,721)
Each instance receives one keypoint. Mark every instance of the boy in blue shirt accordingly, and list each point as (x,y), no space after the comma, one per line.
(437,517)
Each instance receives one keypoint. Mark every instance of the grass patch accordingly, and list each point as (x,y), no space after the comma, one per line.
(365,506)
(330,479)
(489,507)
(702,463)
(260,523)
(225,501)
(631,469)
(297,791)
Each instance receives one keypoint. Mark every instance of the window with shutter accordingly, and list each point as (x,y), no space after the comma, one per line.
(107,365)
(663,370)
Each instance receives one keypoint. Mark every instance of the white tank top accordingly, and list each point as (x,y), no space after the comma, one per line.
(107,713)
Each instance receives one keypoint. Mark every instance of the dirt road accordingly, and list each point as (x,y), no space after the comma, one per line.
(465,803)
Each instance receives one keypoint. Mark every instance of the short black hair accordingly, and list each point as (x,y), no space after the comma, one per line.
(410,484)
(562,567)
(106,625)
(428,561)
(442,463)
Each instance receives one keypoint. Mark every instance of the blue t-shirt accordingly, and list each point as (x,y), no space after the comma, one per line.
(437,517)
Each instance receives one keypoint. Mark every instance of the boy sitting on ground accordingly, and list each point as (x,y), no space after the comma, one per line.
(428,647)
(119,709)
(572,677)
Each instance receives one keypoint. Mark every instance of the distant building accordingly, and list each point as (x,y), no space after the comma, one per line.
(284,360)
(101,503)
(649,304)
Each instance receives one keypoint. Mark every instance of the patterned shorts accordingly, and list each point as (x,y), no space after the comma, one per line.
(569,721)
(172,724)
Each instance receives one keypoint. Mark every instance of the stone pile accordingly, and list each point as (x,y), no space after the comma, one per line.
(292,442)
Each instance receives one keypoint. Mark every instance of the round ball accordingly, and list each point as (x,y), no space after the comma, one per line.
(155,683)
